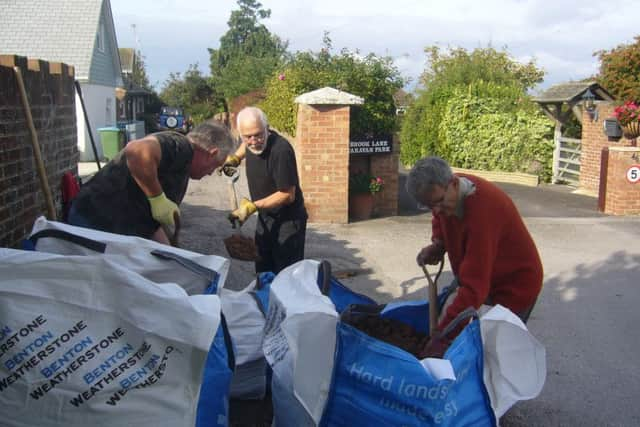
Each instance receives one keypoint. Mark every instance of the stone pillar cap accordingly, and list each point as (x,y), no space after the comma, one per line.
(330,96)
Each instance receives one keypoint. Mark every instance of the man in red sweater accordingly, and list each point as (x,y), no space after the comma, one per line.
(492,255)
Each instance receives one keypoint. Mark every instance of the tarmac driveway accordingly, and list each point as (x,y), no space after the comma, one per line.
(586,317)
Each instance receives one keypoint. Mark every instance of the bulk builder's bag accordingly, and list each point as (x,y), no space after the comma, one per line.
(245,312)
(154,261)
(86,342)
(326,372)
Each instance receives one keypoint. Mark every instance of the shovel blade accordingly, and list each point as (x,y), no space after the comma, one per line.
(241,247)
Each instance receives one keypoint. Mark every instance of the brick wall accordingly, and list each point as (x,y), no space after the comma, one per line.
(322,150)
(622,197)
(386,167)
(593,141)
(50,91)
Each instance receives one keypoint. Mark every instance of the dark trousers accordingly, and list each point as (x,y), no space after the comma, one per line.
(280,243)
(77,219)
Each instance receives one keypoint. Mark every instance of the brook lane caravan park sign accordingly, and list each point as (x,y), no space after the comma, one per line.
(370,146)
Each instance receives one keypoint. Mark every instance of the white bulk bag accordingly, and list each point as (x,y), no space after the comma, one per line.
(133,253)
(86,342)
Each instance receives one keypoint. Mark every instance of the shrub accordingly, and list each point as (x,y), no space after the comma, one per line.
(492,134)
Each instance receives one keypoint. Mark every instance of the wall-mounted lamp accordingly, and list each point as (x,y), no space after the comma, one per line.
(589,102)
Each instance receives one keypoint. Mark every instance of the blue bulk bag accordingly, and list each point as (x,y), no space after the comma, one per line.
(375,383)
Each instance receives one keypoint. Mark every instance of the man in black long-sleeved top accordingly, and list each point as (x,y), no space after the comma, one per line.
(275,191)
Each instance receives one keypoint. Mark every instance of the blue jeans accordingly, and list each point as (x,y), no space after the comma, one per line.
(77,219)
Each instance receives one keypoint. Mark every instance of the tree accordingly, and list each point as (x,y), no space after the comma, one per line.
(192,92)
(620,71)
(248,52)
(139,72)
(373,78)
(459,68)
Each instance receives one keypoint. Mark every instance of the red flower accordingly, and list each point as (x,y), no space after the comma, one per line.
(627,113)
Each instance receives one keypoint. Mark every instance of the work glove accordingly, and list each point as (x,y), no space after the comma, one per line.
(435,347)
(230,165)
(431,254)
(246,209)
(163,209)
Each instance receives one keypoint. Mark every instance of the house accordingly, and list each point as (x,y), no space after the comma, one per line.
(402,100)
(80,33)
(132,99)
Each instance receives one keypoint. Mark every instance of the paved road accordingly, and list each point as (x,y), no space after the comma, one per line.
(587,315)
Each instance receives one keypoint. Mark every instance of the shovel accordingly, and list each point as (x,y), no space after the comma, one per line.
(173,232)
(433,298)
(238,245)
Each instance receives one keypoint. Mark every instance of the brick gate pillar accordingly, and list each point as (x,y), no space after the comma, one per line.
(593,141)
(322,150)
(622,192)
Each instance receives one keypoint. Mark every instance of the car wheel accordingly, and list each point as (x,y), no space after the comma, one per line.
(172,122)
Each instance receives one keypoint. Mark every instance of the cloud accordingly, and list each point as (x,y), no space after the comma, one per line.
(560,35)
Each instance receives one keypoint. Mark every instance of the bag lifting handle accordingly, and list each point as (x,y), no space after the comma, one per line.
(464,315)
(85,242)
(194,267)
(324,277)
(101,247)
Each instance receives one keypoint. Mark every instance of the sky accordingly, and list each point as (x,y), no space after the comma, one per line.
(560,36)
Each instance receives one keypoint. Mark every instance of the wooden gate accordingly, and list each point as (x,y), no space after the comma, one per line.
(566,160)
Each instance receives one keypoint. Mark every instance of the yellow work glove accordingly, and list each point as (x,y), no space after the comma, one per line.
(246,209)
(230,165)
(163,209)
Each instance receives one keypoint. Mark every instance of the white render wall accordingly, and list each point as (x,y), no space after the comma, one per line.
(95,100)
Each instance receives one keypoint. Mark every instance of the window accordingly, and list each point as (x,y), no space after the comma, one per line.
(100,37)
(122,110)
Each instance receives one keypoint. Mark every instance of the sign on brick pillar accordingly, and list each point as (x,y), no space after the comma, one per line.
(322,150)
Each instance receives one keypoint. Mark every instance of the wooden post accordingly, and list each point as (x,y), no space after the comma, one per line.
(604,171)
(42,173)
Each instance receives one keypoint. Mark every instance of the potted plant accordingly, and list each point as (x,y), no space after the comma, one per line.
(628,115)
(362,188)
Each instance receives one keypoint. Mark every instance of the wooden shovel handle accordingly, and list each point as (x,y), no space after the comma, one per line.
(176,231)
(433,298)
(173,232)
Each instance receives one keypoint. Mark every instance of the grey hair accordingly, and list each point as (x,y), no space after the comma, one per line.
(255,113)
(212,134)
(426,173)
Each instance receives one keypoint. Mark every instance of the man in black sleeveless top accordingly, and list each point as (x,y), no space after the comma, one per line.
(275,191)
(139,191)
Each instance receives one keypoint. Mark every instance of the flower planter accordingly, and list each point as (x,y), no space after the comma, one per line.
(360,206)
(631,130)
